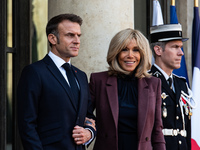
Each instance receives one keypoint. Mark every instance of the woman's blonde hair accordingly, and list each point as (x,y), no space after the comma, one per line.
(119,42)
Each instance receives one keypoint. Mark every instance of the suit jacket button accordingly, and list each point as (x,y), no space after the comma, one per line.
(146,138)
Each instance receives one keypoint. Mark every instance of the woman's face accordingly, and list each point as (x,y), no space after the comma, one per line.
(129,58)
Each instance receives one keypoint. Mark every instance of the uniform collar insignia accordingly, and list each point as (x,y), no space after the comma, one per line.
(157,74)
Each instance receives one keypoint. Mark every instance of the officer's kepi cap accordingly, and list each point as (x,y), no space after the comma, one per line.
(166,32)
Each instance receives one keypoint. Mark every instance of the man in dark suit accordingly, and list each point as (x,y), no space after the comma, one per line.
(51,109)
(166,42)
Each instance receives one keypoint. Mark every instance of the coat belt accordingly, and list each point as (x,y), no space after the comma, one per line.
(174,132)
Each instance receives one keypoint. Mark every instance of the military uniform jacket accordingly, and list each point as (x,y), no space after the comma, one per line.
(172,119)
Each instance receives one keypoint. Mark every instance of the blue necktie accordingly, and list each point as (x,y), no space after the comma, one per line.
(72,82)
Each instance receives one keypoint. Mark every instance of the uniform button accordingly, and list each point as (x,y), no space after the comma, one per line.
(177,117)
(164,103)
(146,138)
(177,105)
(180,142)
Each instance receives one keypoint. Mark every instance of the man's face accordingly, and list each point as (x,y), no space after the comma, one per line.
(171,56)
(69,40)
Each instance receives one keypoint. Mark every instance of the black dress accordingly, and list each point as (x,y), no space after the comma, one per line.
(128,106)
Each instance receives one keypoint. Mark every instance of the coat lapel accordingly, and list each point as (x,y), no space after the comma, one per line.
(143,103)
(81,86)
(111,88)
(177,87)
(56,73)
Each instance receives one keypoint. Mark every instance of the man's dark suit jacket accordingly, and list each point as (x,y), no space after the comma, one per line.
(174,116)
(104,96)
(47,112)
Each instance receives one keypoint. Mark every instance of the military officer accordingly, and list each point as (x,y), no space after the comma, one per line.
(177,102)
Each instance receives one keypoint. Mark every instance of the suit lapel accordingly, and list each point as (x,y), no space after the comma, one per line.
(143,103)
(81,86)
(111,88)
(57,74)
